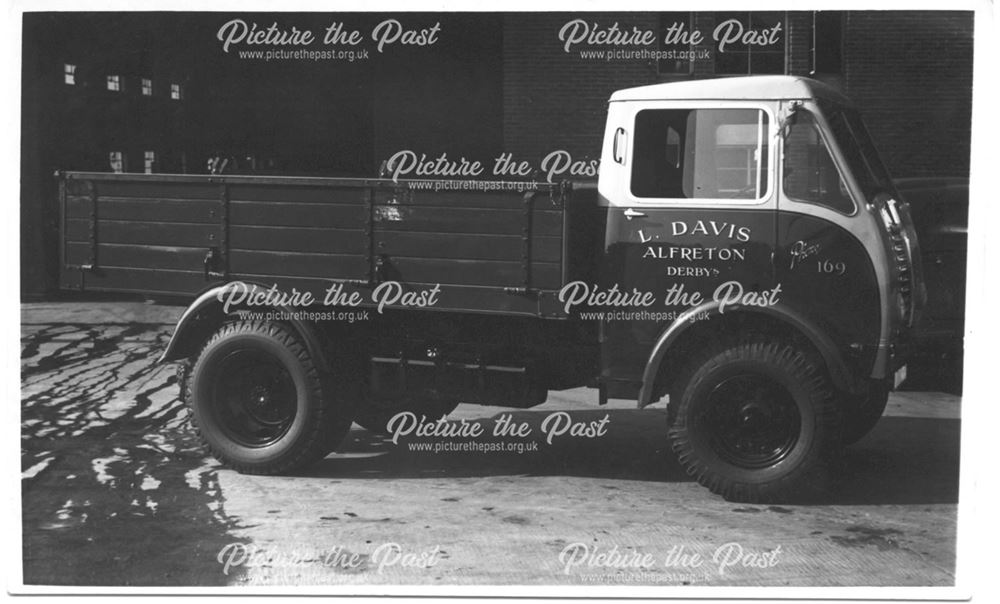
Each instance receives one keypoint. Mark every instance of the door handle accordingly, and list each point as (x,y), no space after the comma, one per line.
(616,148)
(630,214)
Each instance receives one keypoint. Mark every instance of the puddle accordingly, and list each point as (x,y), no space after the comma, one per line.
(115,488)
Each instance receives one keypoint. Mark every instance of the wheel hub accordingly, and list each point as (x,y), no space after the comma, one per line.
(750,421)
(254,398)
(752,414)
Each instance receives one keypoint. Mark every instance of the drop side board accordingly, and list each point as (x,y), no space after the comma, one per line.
(503,252)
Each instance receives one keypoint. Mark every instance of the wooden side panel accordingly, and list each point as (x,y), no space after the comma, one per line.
(144,280)
(472,221)
(179,234)
(470,272)
(467,246)
(140,256)
(316,215)
(354,195)
(278,232)
(294,239)
(141,236)
(288,264)
(475,199)
(270,231)
(499,239)
(139,209)
(152,189)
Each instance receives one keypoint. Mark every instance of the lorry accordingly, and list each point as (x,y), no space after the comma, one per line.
(743,256)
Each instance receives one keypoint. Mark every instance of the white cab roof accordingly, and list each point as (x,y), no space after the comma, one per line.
(740,88)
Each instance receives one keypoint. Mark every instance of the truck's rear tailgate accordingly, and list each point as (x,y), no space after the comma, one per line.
(491,251)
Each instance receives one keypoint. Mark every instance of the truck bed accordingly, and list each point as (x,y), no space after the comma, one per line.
(177,235)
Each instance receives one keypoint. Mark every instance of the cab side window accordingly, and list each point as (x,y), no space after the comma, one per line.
(810,174)
(700,154)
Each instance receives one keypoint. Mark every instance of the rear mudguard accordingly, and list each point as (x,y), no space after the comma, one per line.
(204,316)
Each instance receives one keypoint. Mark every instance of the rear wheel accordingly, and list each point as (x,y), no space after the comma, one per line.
(755,421)
(260,403)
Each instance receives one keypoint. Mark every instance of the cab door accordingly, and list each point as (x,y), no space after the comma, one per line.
(691,197)
(826,236)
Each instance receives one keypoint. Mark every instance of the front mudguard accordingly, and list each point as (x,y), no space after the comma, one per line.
(840,374)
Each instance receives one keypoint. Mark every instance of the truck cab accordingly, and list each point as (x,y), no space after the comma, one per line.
(761,206)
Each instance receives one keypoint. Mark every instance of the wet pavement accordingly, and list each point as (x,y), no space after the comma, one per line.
(116,491)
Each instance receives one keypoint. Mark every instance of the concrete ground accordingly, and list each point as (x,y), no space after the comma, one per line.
(116,491)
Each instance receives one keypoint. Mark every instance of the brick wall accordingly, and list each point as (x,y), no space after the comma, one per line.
(798,49)
(911,75)
(556,100)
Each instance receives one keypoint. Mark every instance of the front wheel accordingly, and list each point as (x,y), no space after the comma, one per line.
(260,403)
(755,421)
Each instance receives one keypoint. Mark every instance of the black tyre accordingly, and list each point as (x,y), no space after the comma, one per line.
(756,421)
(374,415)
(257,400)
(862,412)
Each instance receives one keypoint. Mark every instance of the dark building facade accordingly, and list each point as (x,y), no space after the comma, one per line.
(910,72)
(99,92)
(155,91)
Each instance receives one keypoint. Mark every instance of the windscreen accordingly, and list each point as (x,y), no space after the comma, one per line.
(858,149)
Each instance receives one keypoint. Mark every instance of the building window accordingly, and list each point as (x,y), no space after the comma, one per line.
(117,159)
(757,46)
(149,161)
(675,35)
(175,92)
(115,83)
(69,74)
(147,87)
